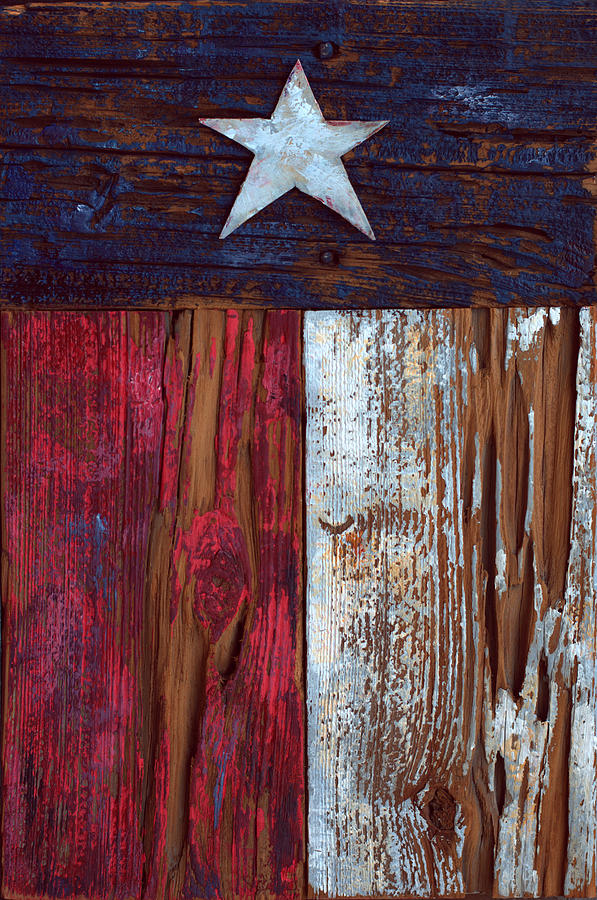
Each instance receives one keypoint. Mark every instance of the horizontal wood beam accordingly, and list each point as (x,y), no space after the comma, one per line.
(481,191)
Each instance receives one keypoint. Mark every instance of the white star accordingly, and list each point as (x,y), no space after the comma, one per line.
(298,148)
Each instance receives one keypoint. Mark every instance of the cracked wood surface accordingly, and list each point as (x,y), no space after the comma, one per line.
(451,491)
(481,190)
(152,642)
(152,616)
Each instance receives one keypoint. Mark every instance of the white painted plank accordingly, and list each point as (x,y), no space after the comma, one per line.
(384,620)
(436,602)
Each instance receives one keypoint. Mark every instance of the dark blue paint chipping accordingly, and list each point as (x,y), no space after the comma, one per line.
(480,190)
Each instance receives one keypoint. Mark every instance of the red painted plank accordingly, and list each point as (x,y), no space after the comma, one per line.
(229,692)
(82,429)
(153,733)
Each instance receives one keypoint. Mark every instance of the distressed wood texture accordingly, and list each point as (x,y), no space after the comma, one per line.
(153,701)
(451,487)
(481,191)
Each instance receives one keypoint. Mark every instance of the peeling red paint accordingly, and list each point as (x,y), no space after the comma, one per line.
(83,415)
(152,498)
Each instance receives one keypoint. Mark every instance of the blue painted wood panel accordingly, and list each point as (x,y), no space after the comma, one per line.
(480,191)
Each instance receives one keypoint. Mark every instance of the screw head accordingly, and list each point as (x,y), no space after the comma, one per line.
(325,50)
(328,257)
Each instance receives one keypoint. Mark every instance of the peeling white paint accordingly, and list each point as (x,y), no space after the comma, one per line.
(582,649)
(524,329)
(388,624)
(373,455)
(296,148)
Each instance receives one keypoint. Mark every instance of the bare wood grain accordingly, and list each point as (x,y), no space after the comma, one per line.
(226,633)
(451,490)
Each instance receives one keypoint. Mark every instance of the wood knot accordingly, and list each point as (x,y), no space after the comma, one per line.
(217,561)
(440,811)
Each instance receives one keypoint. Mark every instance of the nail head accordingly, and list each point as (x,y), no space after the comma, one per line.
(328,257)
(325,49)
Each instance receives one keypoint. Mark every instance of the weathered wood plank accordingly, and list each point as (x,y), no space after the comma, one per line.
(479,191)
(82,412)
(226,634)
(451,496)
(129,58)
(92,210)
(153,730)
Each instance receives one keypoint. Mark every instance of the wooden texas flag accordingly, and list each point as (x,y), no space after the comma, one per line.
(298,601)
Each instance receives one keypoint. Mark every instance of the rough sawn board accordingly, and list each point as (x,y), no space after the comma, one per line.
(480,191)
(451,487)
(152,633)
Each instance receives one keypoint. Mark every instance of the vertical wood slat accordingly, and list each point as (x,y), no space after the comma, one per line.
(152,738)
(451,490)
(229,611)
(82,412)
